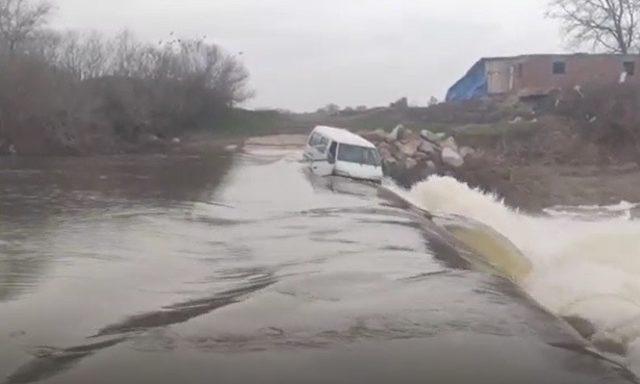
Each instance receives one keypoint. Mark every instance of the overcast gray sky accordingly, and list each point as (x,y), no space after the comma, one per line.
(303,54)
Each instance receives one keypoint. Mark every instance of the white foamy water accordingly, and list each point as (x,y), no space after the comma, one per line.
(586,260)
(593,212)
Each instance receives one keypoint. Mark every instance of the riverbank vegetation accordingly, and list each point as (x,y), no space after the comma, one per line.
(72,93)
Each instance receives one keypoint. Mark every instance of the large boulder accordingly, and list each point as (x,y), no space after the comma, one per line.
(427,147)
(452,158)
(391,162)
(410,163)
(408,149)
(384,145)
(467,152)
(398,133)
(398,155)
(421,156)
(376,136)
(430,136)
(429,169)
(386,155)
(450,143)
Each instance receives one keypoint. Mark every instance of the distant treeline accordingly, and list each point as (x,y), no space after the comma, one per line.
(67,92)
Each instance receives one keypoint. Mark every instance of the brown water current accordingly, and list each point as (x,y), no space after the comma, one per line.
(243,268)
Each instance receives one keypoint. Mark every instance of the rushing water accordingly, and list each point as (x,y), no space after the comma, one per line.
(585,261)
(237,268)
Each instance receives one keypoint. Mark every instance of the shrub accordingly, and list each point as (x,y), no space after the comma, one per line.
(609,117)
(67,92)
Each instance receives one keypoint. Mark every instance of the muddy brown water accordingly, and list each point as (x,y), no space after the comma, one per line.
(242,268)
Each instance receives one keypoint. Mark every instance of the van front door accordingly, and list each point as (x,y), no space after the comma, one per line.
(324,167)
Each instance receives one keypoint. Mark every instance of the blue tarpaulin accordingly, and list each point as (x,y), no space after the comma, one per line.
(473,85)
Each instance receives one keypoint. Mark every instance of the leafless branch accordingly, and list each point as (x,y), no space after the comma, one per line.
(608,25)
(21,19)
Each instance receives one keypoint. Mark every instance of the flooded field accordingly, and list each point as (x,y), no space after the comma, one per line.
(242,267)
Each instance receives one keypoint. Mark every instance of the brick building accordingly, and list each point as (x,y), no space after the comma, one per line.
(537,75)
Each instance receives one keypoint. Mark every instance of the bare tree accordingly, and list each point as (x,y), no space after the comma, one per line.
(70,54)
(44,44)
(21,19)
(126,53)
(106,85)
(93,56)
(610,25)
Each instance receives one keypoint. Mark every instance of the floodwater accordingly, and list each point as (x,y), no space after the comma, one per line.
(242,267)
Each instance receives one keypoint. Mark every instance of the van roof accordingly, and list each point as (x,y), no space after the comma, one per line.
(343,136)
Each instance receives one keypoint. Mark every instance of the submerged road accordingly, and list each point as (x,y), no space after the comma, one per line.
(240,267)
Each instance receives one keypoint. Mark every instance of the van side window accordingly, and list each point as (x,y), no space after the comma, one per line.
(319,142)
(322,144)
(314,141)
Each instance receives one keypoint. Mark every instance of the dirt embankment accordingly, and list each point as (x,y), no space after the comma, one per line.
(580,148)
(548,164)
(576,149)
(537,186)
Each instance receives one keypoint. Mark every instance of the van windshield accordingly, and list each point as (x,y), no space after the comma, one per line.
(360,155)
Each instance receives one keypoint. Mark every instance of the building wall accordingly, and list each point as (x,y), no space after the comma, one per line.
(499,76)
(534,74)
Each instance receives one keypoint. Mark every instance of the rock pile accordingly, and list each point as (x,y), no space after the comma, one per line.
(427,153)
